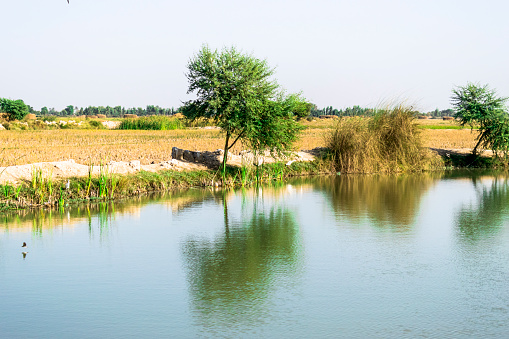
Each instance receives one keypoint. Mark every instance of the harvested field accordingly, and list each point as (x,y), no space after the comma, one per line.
(95,146)
(449,138)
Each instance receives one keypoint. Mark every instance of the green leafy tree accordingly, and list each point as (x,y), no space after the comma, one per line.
(15,109)
(446,113)
(44,111)
(302,109)
(69,110)
(479,106)
(237,91)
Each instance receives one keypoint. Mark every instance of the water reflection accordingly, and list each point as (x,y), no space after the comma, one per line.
(487,214)
(40,220)
(232,276)
(304,259)
(389,201)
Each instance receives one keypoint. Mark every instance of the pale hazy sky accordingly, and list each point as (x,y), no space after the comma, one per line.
(338,53)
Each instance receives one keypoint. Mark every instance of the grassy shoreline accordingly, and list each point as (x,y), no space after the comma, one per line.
(154,146)
(43,191)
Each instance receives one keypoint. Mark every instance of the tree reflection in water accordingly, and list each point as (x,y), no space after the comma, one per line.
(487,215)
(231,277)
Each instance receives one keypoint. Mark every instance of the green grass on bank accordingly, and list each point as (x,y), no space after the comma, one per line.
(45,191)
(465,161)
(42,191)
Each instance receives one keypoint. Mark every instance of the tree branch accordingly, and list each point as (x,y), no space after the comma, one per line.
(237,138)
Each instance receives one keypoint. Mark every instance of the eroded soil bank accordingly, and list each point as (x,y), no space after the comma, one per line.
(182,160)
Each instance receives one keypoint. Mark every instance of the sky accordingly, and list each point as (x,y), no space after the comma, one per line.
(134,53)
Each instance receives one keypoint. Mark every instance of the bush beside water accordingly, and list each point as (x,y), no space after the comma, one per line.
(389,142)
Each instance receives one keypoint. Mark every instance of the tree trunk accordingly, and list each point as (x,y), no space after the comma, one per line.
(226,221)
(481,137)
(474,151)
(225,156)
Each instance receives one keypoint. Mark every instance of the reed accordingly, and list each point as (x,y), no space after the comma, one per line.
(105,186)
(103,181)
(389,142)
(41,186)
(61,198)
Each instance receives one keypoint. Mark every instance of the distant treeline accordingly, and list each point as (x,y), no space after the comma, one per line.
(349,112)
(360,111)
(116,111)
(443,113)
(119,111)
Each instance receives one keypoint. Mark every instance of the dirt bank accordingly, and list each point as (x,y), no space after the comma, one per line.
(69,168)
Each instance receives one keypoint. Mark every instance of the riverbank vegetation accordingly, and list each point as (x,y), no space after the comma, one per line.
(389,142)
(43,190)
(101,146)
(480,107)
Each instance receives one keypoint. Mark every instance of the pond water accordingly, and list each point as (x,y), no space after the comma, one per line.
(348,256)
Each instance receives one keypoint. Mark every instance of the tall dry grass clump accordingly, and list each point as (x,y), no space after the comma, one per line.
(389,142)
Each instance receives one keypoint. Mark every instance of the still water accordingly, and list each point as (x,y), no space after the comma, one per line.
(345,257)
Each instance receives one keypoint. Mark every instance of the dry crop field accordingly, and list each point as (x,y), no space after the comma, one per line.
(95,146)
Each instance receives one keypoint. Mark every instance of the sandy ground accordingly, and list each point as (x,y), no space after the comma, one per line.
(69,168)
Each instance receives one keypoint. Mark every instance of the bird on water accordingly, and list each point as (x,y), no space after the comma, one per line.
(25,248)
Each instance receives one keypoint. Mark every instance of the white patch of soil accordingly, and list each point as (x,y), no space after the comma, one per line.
(69,168)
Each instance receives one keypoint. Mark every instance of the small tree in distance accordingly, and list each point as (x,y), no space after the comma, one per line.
(479,106)
(237,92)
(15,109)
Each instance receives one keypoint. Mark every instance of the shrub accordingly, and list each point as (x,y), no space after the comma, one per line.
(388,142)
(96,124)
(199,122)
(16,109)
(158,122)
(16,126)
(48,118)
(479,106)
